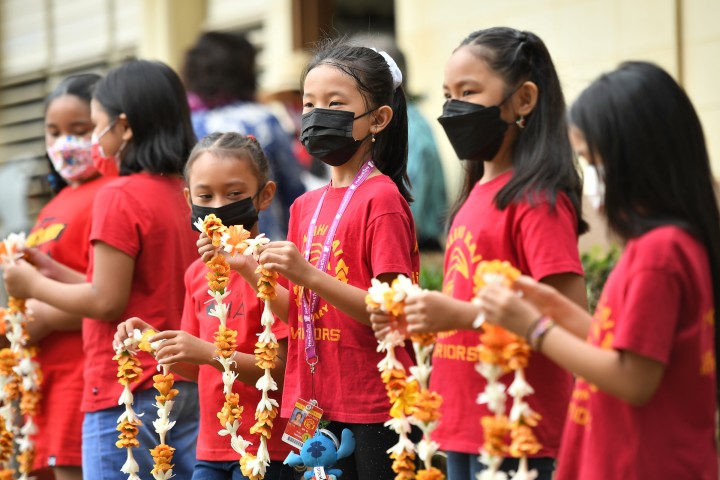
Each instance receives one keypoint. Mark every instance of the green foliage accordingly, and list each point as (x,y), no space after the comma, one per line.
(431,276)
(597,264)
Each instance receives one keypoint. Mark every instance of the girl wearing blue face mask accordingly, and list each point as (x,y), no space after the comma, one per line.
(61,232)
(227,175)
(520,202)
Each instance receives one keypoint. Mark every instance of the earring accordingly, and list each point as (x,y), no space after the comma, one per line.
(520,122)
(372,139)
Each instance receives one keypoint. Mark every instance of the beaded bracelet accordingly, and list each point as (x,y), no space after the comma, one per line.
(537,335)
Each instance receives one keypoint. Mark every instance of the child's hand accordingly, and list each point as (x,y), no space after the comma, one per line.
(502,306)
(543,296)
(19,279)
(177,346)
(42,262)
(205,247)
(380,322)
(285,259)
(126,328)
(429,311)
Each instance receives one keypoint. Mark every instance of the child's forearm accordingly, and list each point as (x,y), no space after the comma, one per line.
(348,299)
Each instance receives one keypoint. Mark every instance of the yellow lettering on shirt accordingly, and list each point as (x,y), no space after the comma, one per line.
(456,352)
(579,414)
(45,234)
(321,334)
(707,364)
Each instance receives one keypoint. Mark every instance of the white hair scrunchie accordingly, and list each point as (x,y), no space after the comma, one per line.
(394,69)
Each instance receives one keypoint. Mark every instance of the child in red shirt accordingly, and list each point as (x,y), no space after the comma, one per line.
(141,246)
(61,232)
(340,237)
(520,203)
(646,392)
(228,175)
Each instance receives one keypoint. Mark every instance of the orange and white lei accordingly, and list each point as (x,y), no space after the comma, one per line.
(129,371)
(412,401)
(501,352)
(236,240)
(20,376)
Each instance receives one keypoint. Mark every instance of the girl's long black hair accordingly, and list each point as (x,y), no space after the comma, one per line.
(374,80)
(542,158)
(152,97)
(643,127)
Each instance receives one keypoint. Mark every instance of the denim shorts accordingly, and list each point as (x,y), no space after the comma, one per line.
(102,460)
(205,470)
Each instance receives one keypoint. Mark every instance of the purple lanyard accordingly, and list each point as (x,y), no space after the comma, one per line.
(309,306)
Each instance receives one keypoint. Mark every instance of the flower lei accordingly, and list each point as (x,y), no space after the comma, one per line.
(412,401)
(129,371)
(233,240)
(501,352)
(20,376)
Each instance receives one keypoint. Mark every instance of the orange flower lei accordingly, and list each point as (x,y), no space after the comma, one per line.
(412,403)
(129,371)
(21,374)
(501,352)
(236,240)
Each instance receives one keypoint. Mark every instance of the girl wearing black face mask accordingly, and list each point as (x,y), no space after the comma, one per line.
(227,174)
(340,237)
(505,117)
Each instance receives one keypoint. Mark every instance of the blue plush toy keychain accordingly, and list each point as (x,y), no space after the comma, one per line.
(322,451)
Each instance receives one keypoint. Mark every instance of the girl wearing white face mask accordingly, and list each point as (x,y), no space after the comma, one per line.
(62,231)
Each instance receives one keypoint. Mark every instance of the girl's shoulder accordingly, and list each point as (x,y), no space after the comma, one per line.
(668,248)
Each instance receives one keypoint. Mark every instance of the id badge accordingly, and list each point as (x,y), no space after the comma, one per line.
(303,423)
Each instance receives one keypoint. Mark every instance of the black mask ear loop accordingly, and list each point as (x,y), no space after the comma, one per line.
(372,148)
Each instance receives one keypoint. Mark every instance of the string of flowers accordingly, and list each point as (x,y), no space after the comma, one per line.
(24,380)
(129,371)
(501,352)
(236,240)
(413,403)
(9,393)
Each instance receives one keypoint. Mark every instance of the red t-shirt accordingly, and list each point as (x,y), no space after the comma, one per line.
(146,217)
(539,241)
(376,235)
(244,316)
(61,231)
(657,303)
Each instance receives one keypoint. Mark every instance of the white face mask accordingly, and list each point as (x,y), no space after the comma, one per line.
(595,186)
(70,155)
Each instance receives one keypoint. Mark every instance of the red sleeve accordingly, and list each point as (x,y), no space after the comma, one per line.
(189,322)
(390,243)
(649,314)
(118,220)
(547,240)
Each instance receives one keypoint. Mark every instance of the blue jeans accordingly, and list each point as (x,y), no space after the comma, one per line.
(464,466)
(205,470)
(102,460)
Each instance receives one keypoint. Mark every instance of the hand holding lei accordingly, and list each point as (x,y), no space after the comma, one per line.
(412,402)
(501,352)
(236,240)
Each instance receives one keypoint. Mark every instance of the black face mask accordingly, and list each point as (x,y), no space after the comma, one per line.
(327,135)
(476,132)
(242,212)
